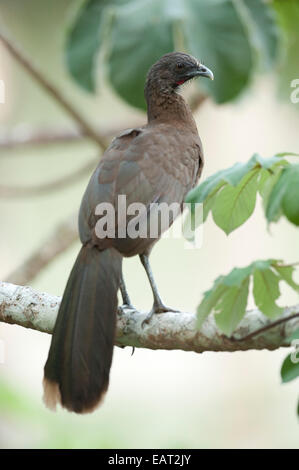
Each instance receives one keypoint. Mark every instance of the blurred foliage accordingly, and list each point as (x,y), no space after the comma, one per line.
(288,17)
(232,38)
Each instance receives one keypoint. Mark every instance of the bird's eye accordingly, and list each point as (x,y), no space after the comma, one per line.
(180,66)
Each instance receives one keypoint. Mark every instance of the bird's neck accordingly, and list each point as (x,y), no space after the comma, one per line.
(166,107)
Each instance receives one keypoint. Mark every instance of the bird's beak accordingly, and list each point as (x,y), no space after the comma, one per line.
(203,71)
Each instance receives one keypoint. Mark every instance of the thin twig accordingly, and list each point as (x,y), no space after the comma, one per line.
(64,235)
(289,265)
(25,135)
(265,328)
(52,90)
(13,192)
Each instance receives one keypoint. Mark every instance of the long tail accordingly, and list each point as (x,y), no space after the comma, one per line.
(80,356)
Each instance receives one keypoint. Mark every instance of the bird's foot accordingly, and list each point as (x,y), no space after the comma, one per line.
(123,307)
(161,308)
(157,309)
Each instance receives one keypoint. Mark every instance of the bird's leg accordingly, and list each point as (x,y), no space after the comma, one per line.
(126,300)
(124,292)
(158,306)
(125,296)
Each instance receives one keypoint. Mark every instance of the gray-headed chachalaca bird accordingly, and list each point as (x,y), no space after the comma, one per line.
(159,162)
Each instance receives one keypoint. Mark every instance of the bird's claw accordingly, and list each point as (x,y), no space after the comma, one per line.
(157,309)
(124,307)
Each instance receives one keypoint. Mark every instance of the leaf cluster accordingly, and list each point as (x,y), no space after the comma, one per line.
(233,38)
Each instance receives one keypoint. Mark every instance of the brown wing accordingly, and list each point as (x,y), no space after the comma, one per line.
(146,165)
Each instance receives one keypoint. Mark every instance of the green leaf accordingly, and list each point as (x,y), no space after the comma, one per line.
(231,307)
(210,200)
(227,35)
(289,370)
(235,174)
(193,219)
(267,184)
(287,154)
(271,162)
(226,287)
(236,204)
(264,178)
(293,336)
(284,196)
(237,276)
(290,200)
(209,301)
(201,192)
(260,20)
(83,42)
(190,220)
(286,274)
(142,32)
(266,291)
(263,264)
(215,34)
(288,16)
(232,175)
(227,299)
(273,208)
(211,31)
(217,192)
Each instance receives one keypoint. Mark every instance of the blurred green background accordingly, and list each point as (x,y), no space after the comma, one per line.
(156,399)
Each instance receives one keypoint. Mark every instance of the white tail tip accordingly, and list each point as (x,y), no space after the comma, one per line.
(51,394)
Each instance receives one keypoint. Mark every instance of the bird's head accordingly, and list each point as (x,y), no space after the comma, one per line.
(174,69)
